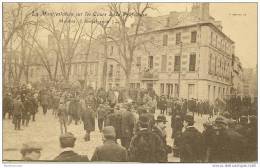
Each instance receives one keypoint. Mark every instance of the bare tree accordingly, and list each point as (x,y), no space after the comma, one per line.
(127,40)
(18,21)
(67,36)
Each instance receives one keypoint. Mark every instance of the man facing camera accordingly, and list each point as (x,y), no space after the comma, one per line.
(67,142)
(110,151)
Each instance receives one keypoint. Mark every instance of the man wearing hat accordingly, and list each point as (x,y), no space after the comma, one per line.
(242,127)
(252,139)
(17,113)
(159,129)
(146,146)
(191,141)
(67,142)
(110,151)
(31,151)
(127,125)
(63,117)
(227,144)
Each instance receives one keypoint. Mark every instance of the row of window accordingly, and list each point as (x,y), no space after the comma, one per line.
(218,67)
(111,71)
(178,38)
(79,69)
(221,44)
(177,62)
(216,92)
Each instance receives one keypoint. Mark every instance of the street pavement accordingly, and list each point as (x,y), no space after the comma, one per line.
(46,131)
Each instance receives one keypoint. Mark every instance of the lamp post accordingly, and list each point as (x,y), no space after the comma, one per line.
(179,77)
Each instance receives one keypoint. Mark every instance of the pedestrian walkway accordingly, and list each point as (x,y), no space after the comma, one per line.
(46,131)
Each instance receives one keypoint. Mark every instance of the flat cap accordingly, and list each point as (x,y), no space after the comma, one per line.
(30,146)
(189,118)
(221,120)
(109,131)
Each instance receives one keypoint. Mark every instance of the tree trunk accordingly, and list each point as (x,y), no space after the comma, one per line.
(104,75)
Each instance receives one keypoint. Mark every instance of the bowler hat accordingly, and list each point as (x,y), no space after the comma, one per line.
(226,115)
(243,119)
(253,119)
(30,146)
(143,119)
(161,118)
(189,118)
(68,137)
(221,120)
(109,131)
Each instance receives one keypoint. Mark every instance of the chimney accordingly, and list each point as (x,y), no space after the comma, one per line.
(204,11)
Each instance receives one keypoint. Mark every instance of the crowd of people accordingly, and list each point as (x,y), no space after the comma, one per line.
(131,129)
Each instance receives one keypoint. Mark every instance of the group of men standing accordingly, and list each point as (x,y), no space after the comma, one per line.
(21,107)
(134,124)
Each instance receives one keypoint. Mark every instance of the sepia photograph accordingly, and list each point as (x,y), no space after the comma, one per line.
(129,82)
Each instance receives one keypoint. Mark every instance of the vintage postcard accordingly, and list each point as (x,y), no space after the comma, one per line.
(140,82)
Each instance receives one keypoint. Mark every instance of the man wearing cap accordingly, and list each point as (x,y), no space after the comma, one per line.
(31,151)
(67,142)
(110,150)
(146,146)
(227,144)
(191,141)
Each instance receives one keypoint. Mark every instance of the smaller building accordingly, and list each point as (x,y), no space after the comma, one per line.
(250,82)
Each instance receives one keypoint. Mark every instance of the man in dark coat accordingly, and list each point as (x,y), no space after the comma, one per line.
(17,113)
(146,146)
(67,142)
(127,126)
(88,118)
(44,100)
(28,110)
(227,145)
(35,107)
(252,139)
(102,112)
(110,150)
(8,105)
(75,110)
(242,127)
(191,141)
(63,117)
(159,129)
(177,125)
(162,104)
(114,118)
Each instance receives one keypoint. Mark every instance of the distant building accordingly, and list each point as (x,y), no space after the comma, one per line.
(250,82)
(237,77)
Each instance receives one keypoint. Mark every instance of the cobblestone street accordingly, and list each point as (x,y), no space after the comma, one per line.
(46,132)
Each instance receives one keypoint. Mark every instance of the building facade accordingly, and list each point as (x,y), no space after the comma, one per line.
(186,55)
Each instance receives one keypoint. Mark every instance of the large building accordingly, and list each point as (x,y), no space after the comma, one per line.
(183,54)
(186,53)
